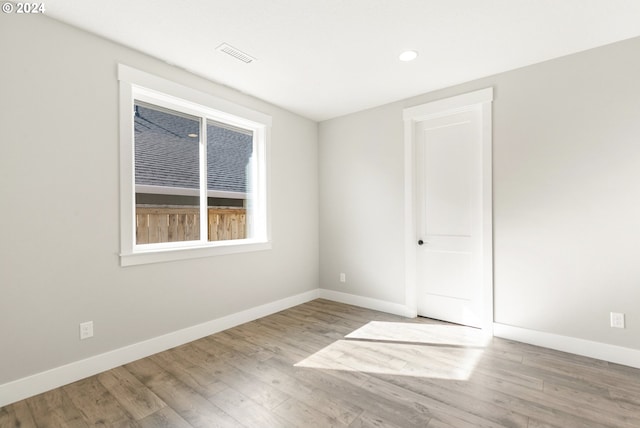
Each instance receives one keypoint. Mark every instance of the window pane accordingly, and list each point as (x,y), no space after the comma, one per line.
(229,161)
(166,175)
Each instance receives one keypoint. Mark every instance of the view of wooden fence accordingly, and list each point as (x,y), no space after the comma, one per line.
(172,224)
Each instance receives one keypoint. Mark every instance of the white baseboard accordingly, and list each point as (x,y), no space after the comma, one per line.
(40,382)
(367,302)
(602,351)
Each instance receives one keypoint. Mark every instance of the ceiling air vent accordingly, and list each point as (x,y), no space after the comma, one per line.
(237,54)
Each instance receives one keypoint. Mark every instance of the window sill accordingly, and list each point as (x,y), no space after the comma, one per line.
(186,253)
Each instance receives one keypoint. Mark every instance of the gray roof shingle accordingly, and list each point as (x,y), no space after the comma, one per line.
(166,156)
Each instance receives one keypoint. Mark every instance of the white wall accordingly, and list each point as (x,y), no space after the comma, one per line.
(566,153)
(361,204)
(59,229)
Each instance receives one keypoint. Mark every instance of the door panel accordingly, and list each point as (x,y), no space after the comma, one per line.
(448,274)
(447,174)
(449,218)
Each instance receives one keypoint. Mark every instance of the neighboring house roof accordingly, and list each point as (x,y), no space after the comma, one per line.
(166,156)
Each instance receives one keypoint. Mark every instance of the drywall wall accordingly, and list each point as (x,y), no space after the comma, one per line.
(59,190)
(566,164)
(361,208)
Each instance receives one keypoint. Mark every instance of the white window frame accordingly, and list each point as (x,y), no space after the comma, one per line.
(139,85)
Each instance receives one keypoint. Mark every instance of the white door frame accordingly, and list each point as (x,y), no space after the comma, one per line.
(479,101)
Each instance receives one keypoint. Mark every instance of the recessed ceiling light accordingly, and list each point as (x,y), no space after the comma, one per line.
(408,56)
(192,135)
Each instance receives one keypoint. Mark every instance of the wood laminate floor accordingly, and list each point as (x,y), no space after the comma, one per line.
(325,364)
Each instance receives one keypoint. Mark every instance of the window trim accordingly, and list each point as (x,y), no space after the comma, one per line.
(136,84)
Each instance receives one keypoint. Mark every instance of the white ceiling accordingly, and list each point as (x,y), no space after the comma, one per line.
(327,58)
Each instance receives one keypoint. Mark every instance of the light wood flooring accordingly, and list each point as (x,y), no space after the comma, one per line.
(324,364)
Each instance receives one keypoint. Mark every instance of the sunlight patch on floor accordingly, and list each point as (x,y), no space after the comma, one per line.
(437,334)
(404,349)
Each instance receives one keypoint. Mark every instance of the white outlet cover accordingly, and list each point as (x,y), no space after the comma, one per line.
(86,330)
(617,320)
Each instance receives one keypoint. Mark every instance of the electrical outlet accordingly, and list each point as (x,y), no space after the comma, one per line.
(86,330)
(343,277)
(617,320)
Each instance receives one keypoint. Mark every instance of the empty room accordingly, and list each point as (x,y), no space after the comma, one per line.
(320,213)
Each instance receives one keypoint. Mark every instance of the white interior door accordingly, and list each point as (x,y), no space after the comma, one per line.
(449,218)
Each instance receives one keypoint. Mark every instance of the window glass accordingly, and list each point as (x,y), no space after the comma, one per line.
(167,175)
(229,181)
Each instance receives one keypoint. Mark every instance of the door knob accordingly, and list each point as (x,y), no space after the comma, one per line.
(420,242)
